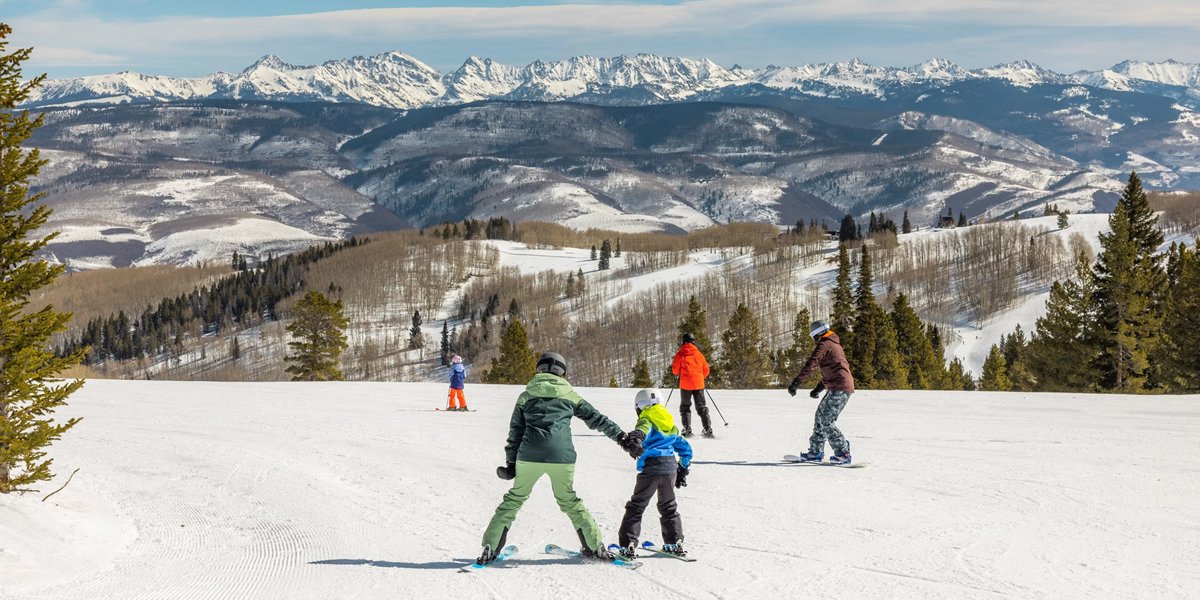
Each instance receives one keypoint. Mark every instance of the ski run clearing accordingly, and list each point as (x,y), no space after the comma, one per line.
(362,490)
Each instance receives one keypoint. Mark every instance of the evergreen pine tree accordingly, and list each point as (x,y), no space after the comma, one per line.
(1013,347)
(862,346)
(890,370)
(958,377)
(842,319)
(617,252)
(995,375)
(593,252)
(605,255)
(235,349)
(1063,219)
(612,382)
(944,380)
(319,326)
(516,362)
(744,360)
(792,358)
(1062,352)
(848,231)
(30,389)
(415,338)
(444,348)
(906,226)
(570,293)
(924,369)
(641,374)
(962,219)
(1130,284)
(1180,353)
(580,284)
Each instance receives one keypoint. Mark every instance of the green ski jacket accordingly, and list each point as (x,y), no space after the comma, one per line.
(540,428)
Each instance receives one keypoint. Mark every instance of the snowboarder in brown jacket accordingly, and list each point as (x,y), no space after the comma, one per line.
(837,383)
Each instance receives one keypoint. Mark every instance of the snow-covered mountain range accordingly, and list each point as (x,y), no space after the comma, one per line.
(397,80)
(143,168)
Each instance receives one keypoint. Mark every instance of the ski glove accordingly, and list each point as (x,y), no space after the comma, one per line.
(817,391)
(681,477)
(632,442)
(507,472)
(794,386)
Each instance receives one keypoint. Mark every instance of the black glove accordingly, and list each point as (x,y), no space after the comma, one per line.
(507,472)
(817,390)
(795,385)
(681,477)
(632,442)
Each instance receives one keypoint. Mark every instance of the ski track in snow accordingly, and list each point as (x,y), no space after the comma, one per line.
(362,490)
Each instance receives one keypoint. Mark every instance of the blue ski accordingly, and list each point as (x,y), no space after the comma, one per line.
(617,561)
(505,553)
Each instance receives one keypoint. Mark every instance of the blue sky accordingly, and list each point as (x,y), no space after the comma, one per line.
(82,37)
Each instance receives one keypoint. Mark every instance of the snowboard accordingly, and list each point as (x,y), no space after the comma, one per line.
(796,460)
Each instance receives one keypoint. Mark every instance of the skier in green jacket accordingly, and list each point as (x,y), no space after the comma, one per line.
(539,443)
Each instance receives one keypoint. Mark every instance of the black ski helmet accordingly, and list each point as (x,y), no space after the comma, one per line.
(687,338)
(553,363)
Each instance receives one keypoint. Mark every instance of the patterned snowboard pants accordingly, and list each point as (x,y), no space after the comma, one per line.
(825,424)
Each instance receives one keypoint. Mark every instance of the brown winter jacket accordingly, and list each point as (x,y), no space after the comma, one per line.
(829,357)
(690,366)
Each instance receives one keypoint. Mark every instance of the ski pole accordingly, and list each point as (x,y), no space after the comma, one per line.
(714,403)
(668,402)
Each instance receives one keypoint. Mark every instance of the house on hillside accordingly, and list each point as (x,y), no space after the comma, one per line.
(946,222)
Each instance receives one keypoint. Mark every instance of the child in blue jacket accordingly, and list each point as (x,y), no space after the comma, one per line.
(458,379)
(658,473)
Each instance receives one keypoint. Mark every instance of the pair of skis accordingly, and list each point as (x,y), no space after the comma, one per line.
(650,547)
(553,549)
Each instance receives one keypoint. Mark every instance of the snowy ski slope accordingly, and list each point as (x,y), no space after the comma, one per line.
(361,490)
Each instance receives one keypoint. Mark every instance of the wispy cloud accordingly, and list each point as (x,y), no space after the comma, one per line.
(68,25)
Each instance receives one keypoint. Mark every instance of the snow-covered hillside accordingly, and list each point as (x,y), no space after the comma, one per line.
(361,491)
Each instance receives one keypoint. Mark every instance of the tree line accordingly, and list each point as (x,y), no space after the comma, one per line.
(1129,322)
(247,297)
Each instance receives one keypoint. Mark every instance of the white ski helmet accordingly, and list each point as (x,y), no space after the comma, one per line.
(646,398)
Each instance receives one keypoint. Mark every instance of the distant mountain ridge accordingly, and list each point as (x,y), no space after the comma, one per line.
(398,80)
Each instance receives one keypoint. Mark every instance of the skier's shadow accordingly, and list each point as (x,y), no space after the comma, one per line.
(385,564)
(737,463)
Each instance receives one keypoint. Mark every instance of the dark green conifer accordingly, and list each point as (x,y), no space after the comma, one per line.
(30,387)
(516,362)
(318,326)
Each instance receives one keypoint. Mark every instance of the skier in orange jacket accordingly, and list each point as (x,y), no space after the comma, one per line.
(691,368)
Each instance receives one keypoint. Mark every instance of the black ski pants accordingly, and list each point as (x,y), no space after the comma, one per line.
(685,409)
(647,486)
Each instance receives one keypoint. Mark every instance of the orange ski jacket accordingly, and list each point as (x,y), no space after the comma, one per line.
(691,368)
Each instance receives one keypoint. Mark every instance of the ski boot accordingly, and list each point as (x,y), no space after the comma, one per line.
(676,549)
(687,433)
(708,433)
(840,458)
(600,553)
(487,557)
(812,457)
(627,552)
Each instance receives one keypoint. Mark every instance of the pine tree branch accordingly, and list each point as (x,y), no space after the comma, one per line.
(63,485)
